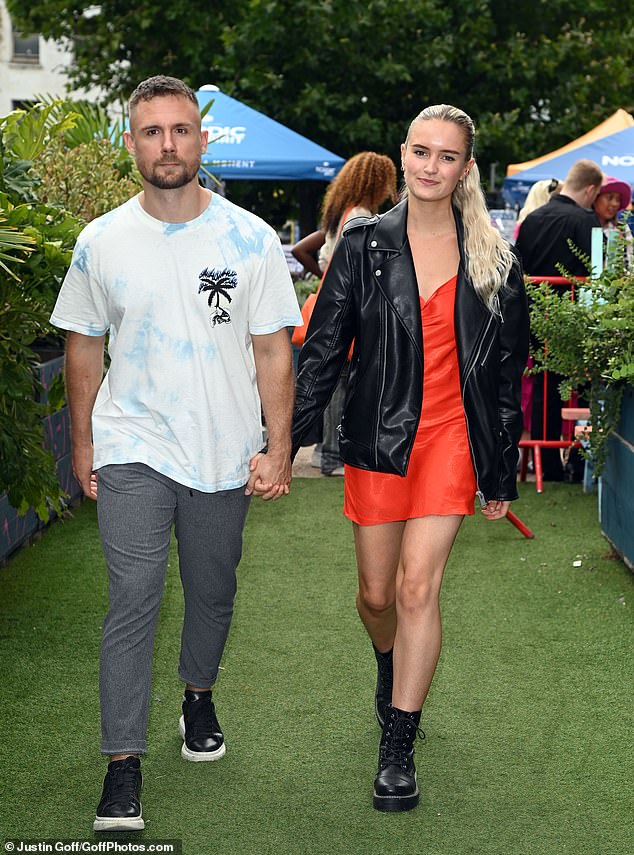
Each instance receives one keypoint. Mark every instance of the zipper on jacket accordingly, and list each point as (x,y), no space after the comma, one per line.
(484,358)
(479,492)
(382,358)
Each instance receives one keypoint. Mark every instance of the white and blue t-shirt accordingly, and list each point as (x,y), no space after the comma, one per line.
(180,302)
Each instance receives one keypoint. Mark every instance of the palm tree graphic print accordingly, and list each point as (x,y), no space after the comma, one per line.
(218,283)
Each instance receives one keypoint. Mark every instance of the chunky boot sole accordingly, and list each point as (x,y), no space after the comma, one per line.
(118,823)
(396,803)
(198,756)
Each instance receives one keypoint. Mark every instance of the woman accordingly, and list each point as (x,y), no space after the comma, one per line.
(434,300)
(615,197)
(364,183)
(538,195)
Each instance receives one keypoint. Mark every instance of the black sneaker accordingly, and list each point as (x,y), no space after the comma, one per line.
(395,787)
(199,728)
(120,808)
(384,681)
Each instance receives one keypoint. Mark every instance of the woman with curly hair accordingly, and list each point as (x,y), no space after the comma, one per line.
(364,183)
(433,297)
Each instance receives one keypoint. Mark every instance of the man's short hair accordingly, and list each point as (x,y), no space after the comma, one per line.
(160,86)
(582,174)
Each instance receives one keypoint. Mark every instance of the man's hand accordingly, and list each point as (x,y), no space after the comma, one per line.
(83,471)
(270,476)
(495,509)
(271,472)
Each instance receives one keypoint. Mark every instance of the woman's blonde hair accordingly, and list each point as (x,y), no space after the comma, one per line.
(538,195)
(366,180)
(488,256)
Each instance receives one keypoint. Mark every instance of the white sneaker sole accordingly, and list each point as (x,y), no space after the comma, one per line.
(198,756)
(118,823)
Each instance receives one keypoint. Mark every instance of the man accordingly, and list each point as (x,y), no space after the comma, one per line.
(544,243)
(196,297)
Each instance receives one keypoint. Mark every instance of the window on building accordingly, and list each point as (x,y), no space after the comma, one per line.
(22,105)
(26,48)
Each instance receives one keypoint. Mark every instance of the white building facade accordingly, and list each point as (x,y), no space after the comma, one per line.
(30,66)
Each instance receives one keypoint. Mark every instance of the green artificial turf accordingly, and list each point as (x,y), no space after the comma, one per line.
(529,721)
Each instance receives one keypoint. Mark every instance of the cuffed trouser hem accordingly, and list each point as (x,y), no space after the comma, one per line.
(114,748)
(209,533)
(197,681)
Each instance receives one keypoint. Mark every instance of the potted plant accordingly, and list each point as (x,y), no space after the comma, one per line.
(590,342)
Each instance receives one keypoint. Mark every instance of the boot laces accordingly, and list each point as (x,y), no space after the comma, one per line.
(123,781)
(396,750)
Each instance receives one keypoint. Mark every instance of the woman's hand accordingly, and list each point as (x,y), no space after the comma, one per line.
(495,509)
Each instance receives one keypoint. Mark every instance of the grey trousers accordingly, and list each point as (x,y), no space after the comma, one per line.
(136,508)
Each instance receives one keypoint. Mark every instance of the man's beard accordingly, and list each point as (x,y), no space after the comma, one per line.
(170,180)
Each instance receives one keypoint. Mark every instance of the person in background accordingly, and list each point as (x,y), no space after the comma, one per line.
(538,195)
(364,183)
(306,251)
(545,242)
(614,198)
(434,300)
(196,298)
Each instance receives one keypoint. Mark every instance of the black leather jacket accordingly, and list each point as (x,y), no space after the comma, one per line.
(370,295)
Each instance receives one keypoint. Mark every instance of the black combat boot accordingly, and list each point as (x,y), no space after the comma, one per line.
(384,681)
(395,787)
(199,728)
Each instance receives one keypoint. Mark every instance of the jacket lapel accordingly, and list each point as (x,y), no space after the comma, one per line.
(393,270)
(393,273)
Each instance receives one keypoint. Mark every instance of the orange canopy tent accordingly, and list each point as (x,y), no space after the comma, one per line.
(616,122)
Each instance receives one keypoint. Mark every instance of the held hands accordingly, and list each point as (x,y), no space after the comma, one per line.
(270,476)
(495,509)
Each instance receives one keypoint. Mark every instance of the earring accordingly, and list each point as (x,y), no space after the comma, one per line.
(402,167)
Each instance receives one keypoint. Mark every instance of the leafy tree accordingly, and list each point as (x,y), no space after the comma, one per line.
(351,74)
(117,43)
(532,74)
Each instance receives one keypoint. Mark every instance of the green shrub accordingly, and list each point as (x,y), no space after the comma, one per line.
(87,180)
(56,173)
(590,342)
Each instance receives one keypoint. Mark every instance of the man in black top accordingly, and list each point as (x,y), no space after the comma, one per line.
(543,243)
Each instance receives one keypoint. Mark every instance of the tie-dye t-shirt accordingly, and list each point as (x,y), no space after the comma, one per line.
(180,302)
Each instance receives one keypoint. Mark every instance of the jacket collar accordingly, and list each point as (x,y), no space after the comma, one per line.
(390,234)
(397,281)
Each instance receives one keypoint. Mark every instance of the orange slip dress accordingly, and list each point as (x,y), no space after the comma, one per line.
(440,477)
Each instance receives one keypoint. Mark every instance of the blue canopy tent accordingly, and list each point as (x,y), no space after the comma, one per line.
(614,154)
(245,144)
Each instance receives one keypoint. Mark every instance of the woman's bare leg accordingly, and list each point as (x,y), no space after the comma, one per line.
(378,549)
(426,544)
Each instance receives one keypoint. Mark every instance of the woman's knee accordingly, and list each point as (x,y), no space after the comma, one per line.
(417,593)
(376,599)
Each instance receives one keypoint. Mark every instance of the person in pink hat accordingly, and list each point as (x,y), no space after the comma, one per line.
(615,196)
